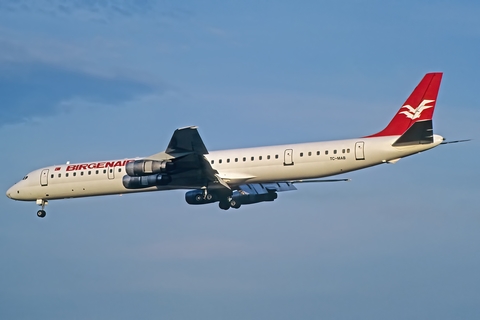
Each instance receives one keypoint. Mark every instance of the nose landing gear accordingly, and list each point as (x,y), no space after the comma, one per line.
(41,213)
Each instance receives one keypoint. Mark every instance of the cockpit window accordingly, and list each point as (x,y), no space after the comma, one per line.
(25,178)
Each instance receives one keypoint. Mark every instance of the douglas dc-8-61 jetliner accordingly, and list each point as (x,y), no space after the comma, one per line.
(239,176)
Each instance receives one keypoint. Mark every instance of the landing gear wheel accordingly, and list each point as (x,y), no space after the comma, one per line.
(209,196)
(41,213)
(224,205)
(235,204)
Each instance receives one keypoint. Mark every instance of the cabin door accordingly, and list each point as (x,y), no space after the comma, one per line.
(359,150)
(288,158)
(44,178)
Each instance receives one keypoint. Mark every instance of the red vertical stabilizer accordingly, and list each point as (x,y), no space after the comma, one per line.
(418,107)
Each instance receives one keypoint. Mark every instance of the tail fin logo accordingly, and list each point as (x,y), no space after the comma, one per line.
(415,113)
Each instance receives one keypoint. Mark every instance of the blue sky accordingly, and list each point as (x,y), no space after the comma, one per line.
(93,80)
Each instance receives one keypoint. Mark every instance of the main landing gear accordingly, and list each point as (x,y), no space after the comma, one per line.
(41,213)
(229,203)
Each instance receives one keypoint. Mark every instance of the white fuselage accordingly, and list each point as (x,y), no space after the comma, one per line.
(235,166)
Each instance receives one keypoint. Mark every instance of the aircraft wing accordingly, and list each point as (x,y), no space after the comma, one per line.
(259,192)
(186,140)
(262,188)
(187,151)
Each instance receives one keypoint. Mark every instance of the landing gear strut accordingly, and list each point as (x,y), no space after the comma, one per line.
(41,213)
(204,196)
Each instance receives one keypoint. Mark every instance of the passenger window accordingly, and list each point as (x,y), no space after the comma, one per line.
(260,158)
(318,153)
(228,160)
(66,175)
(301,154)
(59,175)
(326,152)
(334,151)
(119,169)
(74,174)
(276,156)
(309,153)
(81,173)
(89,172)
(348,150)
(236,159)
(244,159)
(51,176)
(253,158)
(220,161)
(268,157)
(212,162)
(104,171)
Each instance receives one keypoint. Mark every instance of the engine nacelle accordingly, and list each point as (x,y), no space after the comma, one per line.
(148,167)
(198,197)
(253,198)
(146,181)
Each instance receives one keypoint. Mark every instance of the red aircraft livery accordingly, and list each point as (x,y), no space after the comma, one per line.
(97,165)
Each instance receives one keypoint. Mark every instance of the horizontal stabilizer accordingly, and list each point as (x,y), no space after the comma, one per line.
(421,132)
(456,141)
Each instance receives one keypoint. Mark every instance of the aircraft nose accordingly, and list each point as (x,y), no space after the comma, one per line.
(9,192)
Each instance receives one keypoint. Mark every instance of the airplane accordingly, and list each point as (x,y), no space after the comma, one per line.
(239,177)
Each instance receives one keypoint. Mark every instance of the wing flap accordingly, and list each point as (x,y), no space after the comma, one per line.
(262,188)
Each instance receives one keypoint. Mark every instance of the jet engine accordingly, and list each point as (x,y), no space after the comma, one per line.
(148,167)
(146,181)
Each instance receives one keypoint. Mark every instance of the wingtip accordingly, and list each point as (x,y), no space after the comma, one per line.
(188,127)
